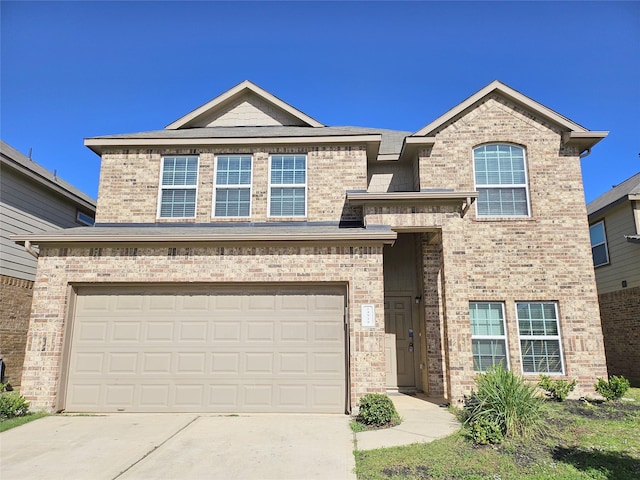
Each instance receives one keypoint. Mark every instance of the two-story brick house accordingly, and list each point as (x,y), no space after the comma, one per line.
(249,258)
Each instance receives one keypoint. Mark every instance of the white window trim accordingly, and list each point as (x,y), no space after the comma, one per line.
(606,245)
(161,187)
(503,185)
(225,187)
(289,185)
(541,337)
(492,337)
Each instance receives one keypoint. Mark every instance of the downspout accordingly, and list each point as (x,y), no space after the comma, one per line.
(30,249)
(585,153)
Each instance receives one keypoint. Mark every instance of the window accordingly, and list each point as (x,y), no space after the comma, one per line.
(288,186)
(599,244)
(539,337)
(233,186)
(84,218)
(501,181)
(178,185)
(488,338)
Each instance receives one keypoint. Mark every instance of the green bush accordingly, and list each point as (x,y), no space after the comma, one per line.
(557,390)
(506,400)
(614,389)
(484,432)
(12,404)
(377,409)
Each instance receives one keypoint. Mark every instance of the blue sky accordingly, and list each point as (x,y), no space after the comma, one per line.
(71,70)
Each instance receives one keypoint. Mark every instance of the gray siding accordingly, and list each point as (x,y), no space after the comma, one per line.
(14,260)
(624,257)
(28,196)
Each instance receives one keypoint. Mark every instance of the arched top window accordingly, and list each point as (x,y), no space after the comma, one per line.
(501,179)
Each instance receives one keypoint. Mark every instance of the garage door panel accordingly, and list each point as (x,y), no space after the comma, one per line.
(217,351)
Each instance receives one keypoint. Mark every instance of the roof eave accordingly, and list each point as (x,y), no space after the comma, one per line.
(98,145)
(361,235)
(583,140)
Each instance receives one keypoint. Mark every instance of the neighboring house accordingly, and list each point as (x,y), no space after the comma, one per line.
(614,222)
(32,199)
(249,258)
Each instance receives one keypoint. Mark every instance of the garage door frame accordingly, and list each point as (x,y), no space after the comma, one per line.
(182,288)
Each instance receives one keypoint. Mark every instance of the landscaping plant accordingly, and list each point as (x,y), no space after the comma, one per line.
(377,410)
(557,390)
(12,404)
(614,389)
(504,400)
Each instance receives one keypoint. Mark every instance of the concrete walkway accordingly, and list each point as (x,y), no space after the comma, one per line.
(423,420)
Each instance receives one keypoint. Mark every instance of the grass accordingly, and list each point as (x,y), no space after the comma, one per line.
(17,421)
(596,441)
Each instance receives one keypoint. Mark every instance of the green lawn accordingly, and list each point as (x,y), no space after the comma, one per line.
(17,421)
(580,440)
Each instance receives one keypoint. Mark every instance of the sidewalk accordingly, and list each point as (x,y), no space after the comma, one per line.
(423,420)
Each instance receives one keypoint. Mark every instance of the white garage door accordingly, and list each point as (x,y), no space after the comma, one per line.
(239,349)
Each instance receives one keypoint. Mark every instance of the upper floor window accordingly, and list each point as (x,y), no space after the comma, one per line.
(178,187)
(539,337)
(488,335)
(288,186)
(501,180)
(233,186)
(599,249)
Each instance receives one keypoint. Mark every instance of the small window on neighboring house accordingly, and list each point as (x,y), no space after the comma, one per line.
(488,335)
(539,337)
(84,218)
(233,186)
(599,244)
(178,187)
(501,181)
(288,186)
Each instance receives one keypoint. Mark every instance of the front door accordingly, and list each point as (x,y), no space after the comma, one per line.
(398,321)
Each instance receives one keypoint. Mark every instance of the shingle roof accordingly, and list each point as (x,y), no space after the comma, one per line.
(391,139)
(630,186)
(11,156)
(281,232)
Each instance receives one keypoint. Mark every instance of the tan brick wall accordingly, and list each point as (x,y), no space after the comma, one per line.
(359,267)
(129,183)
(620,313)
(543,258)
(16,295)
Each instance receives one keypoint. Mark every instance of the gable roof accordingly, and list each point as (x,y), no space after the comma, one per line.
(245,88)
(11,157)
(627,190)
(580,135)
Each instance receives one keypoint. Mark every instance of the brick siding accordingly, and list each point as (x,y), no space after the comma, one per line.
(15,306)
(358,266)
(620,313)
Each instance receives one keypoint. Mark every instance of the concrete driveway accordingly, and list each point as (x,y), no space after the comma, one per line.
(179,446)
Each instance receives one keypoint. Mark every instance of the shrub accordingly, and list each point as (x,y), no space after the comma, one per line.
(506,400)
(614,389)
(484,432)
(12,404)
(377,410)
(557,390)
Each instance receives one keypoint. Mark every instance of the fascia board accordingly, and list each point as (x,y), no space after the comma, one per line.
(386,237)
(238,89)
(382,198)
(97,144)
(508,92)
